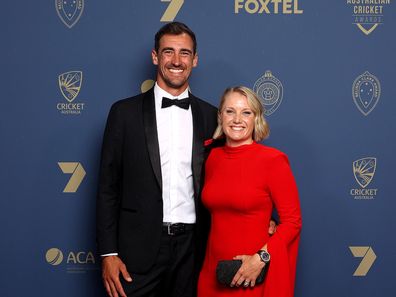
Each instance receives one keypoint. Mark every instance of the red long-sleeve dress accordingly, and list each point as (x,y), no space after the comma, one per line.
(242,185)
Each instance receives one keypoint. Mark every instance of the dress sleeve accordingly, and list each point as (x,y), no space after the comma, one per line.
(283,245)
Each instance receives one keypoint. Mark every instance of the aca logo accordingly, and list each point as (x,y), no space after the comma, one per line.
(54,256)
(172,10)
(368,258)
(368,14)
(270,90)
(77,175)
(366,92)
(69,11)
(267,6)
(363,171)
(76,261)
(70,85)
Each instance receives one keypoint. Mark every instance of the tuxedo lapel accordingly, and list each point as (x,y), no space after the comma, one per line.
(198,140)
(150,129)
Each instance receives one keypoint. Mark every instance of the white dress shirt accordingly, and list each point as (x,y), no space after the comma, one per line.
(175,137)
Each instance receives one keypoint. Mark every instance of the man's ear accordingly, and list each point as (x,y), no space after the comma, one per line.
(195,60)
(154,57)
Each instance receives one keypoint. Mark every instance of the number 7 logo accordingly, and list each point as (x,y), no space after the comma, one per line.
(77,172)
(368,260)
(172,10)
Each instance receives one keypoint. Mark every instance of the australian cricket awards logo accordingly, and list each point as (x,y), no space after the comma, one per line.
(368,14)
(270,90)
(364,170)
(69,11)
(366,92)
(70,86)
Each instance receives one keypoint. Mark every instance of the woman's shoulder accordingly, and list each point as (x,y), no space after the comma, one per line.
(269,150)
(271,153)
(216,150)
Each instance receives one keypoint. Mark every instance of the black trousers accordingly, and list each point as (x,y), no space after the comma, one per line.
(173,272)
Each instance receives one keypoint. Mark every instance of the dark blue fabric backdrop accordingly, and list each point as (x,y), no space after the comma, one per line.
(64,63)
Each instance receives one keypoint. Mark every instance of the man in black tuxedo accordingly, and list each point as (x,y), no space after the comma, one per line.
(149,214)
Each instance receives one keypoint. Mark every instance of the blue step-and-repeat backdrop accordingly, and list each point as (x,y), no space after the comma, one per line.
(325,70)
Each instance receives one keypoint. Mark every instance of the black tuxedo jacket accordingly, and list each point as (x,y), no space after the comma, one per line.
(129,201)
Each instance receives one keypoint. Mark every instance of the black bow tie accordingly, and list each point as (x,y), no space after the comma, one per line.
(182,103)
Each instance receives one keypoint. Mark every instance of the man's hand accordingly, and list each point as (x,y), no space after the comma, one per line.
(272,227)
(112,266)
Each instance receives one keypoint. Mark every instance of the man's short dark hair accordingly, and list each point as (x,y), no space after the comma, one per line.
(174,28)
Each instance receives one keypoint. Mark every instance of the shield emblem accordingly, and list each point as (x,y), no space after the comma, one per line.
(69,11)
(70,84)
(364,170)
(366,92)
(270,90)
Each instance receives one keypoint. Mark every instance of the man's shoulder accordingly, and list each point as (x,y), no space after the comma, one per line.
(128,105)
(205,105)
(129,102)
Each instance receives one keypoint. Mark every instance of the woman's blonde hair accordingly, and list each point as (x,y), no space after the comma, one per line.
(261,129)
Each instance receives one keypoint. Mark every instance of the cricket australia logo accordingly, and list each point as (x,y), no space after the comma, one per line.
(70,84)
(270,90)
(69,11)
(364,170)
(366,92)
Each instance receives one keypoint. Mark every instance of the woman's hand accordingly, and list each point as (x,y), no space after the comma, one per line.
(248,272)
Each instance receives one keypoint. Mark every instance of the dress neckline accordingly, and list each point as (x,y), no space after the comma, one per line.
(235,150)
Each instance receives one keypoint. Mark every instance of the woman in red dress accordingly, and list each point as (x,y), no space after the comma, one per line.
(244,180)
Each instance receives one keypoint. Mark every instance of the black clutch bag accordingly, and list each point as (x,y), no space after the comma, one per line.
(226,269)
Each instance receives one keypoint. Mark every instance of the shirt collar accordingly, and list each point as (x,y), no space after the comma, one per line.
(159,93)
